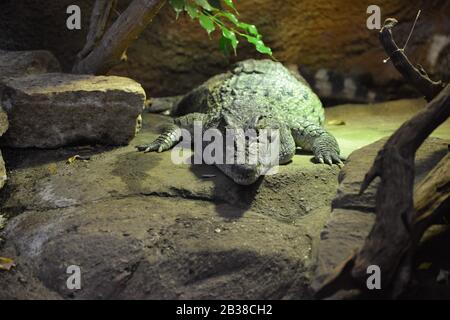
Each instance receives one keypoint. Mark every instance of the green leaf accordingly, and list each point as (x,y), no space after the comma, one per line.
(259,45)
(230,4)
(204,4)
(192,11)
(207,23)
(250,28)
(177,5)
(225,46)
(264,49)
(231,17)
(230,35)
(203,10)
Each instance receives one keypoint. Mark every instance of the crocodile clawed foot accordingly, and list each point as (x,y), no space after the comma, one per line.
(329,158)
(157,145)
(146,147)
(326,151)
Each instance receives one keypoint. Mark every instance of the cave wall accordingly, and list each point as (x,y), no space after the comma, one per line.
(172,56)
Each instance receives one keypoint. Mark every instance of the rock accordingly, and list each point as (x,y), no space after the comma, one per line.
(171,251)
(353,216)
(53,110)
(360,160)
(123,172)
(18,64)
(163,105)
(315,34)
(140,226)
(23,63)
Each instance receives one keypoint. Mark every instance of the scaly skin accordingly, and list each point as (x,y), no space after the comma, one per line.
(256,94)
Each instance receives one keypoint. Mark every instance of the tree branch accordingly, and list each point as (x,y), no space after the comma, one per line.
(397,228)
(417,77)
(399,222)
(119,36)
(101,14)
(431,196)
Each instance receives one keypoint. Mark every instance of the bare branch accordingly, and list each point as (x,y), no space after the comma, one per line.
(101,14)
(397,227)
(417,77)
(400,222)
(119,36)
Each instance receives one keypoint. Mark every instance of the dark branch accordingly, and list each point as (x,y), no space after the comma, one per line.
(417,77)
(112,46)
(100,16)
(400,223)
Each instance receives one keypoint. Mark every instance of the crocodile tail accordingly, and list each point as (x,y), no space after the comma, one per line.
(334,88)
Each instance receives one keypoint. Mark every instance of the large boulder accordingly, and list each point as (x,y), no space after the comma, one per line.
(140,226)
(23,63)
(53,110)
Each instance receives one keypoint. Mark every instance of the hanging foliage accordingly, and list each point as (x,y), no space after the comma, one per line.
(215,16)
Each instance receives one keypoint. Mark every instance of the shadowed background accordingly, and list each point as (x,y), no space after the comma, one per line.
(171,57)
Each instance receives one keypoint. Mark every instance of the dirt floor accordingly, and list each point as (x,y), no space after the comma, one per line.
(365,124)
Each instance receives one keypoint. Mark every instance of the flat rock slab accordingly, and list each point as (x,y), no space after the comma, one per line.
(297,189)
(53,110)
(140,226)
(353,215)
(152,248)
(23,63)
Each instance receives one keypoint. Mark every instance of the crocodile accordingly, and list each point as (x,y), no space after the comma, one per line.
(254,94)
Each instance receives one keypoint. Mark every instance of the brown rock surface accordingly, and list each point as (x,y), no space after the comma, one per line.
(172,56)
(23,63)
(140,226)
(55,109)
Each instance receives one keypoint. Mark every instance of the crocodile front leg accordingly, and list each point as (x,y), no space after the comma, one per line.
(172,134)
(312,137)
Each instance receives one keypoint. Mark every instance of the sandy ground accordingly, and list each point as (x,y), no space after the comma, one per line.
(365,124)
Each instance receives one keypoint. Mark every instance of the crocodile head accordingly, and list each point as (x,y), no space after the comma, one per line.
(258,147)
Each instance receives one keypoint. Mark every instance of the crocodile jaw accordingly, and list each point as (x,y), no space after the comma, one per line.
(243,174)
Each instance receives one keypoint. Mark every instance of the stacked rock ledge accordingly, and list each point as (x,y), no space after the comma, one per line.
(54,109)
(23,63)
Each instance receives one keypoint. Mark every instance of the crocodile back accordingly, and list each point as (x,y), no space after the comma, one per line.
(265,88)
(255,88)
